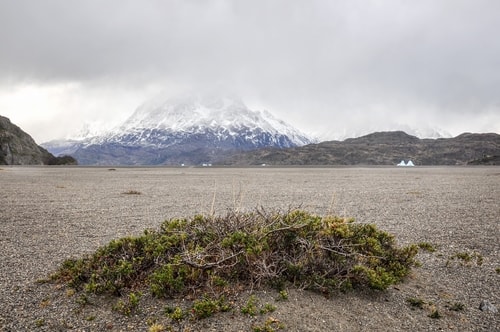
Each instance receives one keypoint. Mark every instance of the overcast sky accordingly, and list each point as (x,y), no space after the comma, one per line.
(330,68)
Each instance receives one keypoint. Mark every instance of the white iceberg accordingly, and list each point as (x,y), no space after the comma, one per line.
(403,163)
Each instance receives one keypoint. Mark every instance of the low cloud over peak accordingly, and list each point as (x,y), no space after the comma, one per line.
(327,67)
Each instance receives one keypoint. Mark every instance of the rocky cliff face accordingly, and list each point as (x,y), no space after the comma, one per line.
(18,148)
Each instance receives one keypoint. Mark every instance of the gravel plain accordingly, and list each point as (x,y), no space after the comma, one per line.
(49,214)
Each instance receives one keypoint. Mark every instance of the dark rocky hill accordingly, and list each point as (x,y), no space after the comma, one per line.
(382,148)
(19,148)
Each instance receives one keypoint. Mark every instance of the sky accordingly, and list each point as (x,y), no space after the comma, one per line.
(333,69)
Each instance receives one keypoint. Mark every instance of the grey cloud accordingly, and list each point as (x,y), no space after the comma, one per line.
(337,58)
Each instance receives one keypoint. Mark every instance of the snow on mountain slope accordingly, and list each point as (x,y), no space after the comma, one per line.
(197,114)
(184,128)
(223,117)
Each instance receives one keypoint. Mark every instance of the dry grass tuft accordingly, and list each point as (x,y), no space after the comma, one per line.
(132,192)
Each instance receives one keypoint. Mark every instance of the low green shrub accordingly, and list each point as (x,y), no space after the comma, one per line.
(208,306)
(282,295)
(40,322)
(457,306)
(270,325)
(435,314)
(426,246)
(175,314)
(416,302)
(465,258)
(213,254)
(129,305)
(267,308)
(250,308)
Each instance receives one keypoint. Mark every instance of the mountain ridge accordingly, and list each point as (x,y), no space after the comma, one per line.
(188,130)
(381,148)
(200,129)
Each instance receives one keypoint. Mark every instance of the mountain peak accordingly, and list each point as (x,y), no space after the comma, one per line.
(195,113)
(190,129)
(184,112)
(187,111)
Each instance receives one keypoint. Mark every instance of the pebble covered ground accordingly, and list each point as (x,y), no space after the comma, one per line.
(49,214)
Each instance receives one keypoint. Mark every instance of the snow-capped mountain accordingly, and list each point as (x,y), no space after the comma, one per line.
(226,117)
(188,130)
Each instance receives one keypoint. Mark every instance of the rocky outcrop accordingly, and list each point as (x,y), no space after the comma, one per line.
(19,148)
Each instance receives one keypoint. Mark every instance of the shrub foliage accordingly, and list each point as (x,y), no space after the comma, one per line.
(209,254)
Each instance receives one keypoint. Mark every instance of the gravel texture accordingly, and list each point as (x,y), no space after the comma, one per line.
(49,214)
